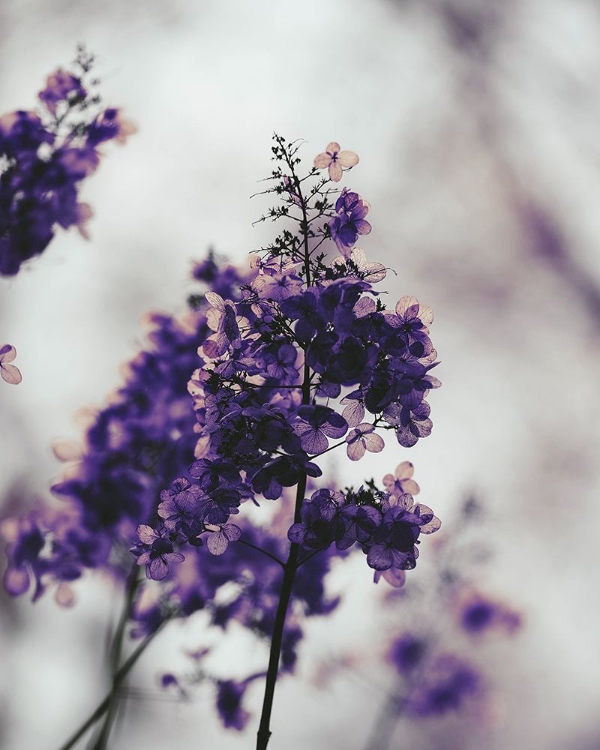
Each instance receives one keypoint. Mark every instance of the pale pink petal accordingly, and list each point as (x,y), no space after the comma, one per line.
(335,171)
(347,159)
(322,161)
(215,300)
(10,374)
(146,534)
(374,443)
(64,596)
(333,148)
(405,470)
(404,303)
(356,450)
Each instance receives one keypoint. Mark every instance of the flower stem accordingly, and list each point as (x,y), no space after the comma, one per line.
(384,726)
(116,650)
(117,680)
(289,573)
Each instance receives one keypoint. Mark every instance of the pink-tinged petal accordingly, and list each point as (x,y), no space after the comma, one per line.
(217,543)
(157,570)
(404,303)
(354,413)
(374,443)
(16,581)
(375,272)
(322,161)
(405,470)
(215,300)
(10,374)
(388,481)
(426,314)
(363,227)
(356,450)
(64,596)
(67,450)
(335,171)
(405,500)
(432,526)
(214,318)
(347,159)
(7,353)
(146,534)
(333,148)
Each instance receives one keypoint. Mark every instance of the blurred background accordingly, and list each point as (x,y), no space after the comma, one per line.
(477,128)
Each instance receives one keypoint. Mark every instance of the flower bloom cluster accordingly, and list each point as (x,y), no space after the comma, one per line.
(44,157)
(305,354)
(112,485)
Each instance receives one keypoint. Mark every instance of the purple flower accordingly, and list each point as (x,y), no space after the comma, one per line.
(362,439)
(407,652)
(155,552)
(479,614)
(316,425)
(447,684)
(350,222)
(218,541)
(229,704)
(61,86)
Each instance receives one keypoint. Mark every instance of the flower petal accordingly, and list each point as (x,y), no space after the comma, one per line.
(347,159)
(322,161)
(335,171)
(10,374)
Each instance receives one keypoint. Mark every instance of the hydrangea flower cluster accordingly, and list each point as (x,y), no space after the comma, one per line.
(44,157)
(298,358)
(112,484)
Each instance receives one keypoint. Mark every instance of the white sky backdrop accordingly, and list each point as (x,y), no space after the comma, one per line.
(466,121)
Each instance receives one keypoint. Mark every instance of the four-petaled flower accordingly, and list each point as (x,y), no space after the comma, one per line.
(10,373)
(402,483)
(335,160)
(361,439)
(155,553)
